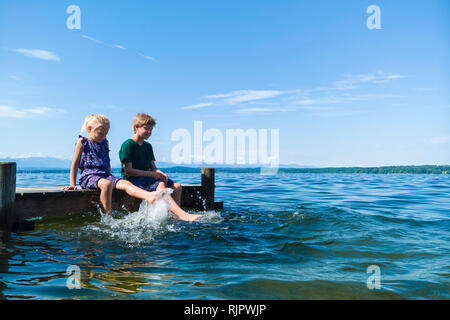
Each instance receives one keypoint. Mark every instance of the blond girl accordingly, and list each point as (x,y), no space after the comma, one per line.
(92,158)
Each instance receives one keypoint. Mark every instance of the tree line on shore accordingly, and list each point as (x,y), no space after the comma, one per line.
(423,169)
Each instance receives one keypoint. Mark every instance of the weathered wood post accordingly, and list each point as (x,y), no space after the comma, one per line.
(208,187)
(7,194)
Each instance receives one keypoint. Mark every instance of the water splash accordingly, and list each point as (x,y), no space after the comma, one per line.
(150,222)
(140,227)
(211,216)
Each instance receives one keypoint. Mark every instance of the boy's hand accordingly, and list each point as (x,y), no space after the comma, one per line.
(70,188)
(162,176)
(165,176)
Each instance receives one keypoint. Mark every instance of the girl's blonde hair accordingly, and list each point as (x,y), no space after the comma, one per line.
(95,121)
(143,119)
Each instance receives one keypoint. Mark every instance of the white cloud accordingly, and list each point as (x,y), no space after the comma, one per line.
(17,78)
(341,91)
(38,54)
(256,110)
(235,97)
(10,112)
(353,81)
(146,57)
(425,89)
(92,39)
(38,110)
(198,105)
(342,98)
(240,96)
(317,108)
(440,140)
(260,110)
(117,46)
(15,155)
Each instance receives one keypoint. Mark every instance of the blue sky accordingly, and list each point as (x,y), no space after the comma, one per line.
(339,93)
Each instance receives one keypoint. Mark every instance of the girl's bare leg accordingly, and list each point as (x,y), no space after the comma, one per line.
(106,188)
(175,208)
(137,192)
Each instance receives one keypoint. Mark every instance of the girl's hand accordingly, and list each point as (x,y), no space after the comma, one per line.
(70,188)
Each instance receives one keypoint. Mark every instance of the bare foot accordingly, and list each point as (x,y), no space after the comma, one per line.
(192,217)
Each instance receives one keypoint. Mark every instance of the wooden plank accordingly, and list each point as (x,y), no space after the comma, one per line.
(208,187)
(52,201)
(48,189)
(7,195)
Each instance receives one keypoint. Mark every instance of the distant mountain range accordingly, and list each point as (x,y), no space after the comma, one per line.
(39,163)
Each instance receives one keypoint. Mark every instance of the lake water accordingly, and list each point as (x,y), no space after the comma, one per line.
(287,236)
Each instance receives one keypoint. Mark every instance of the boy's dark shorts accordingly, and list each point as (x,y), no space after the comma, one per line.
(149,183)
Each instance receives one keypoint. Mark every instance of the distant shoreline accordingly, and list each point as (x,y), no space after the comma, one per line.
(421,169)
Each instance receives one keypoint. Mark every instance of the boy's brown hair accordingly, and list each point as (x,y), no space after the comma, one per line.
(143,119)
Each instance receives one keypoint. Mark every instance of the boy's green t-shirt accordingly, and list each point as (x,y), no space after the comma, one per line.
(139,156)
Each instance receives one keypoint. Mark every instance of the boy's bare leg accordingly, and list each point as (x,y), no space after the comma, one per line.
(175,208)
(106,188)
(176,195)
(137,192)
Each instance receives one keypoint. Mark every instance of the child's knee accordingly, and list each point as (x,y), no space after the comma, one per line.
(177,186)
(105,184)
(124,185)
(161,185)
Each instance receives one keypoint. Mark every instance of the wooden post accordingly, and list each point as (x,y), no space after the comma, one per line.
(208,187)
(7,194)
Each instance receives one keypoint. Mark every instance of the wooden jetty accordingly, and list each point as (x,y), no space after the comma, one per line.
(19,204)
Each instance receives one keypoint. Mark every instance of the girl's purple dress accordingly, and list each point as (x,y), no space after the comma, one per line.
(95,164)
